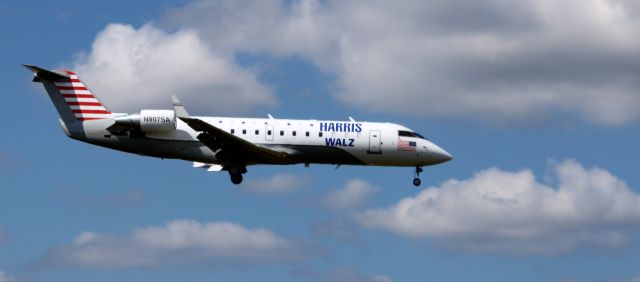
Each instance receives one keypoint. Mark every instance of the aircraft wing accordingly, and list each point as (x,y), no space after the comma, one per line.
(228,147)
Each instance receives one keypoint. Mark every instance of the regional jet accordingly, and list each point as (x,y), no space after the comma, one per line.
(232,144)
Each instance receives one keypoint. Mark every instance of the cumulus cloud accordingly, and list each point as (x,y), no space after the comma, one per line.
(342,274)
(5,277)
(512,212)
(131,68)
(175,243)
(277,184)
(355,193)
(493,60)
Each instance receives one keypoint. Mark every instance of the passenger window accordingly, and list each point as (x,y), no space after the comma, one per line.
(293,133)
(232,131)
(257,132)
(244,131)
(307,133)
(320,134)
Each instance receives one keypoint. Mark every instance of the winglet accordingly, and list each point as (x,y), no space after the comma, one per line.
(178,108)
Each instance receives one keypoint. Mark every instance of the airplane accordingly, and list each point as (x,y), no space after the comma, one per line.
(233,143)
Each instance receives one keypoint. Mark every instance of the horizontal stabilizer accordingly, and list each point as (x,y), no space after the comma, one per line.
(46,74)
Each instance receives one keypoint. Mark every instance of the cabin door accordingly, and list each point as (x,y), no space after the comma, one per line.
(374,142)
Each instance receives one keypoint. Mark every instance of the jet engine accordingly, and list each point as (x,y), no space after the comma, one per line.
(156,121)
(150,121)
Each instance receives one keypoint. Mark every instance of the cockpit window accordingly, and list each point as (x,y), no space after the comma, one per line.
(418,135)
(404,133)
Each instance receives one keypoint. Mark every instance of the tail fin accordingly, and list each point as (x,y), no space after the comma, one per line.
(71,97)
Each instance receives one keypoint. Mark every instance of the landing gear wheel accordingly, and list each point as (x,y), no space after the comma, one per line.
(416,179)
(236,178)
(235,172)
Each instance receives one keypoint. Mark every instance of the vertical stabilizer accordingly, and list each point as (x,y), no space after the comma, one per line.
(71,97)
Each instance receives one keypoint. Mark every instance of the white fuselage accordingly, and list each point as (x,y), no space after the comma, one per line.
(372,143)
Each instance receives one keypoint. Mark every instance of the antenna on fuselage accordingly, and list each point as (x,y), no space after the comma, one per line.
(270,116)
(351,119)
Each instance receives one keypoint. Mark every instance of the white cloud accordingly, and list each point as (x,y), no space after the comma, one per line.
(342,274)
(633,279)
(175,243)
(277,184)
(511,212)
(478,67)
(493,60)
(355,193)
(5,277)
(130,69)
(260,25)
(84,237)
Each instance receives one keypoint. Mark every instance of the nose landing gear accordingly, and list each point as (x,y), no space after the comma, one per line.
(416,179)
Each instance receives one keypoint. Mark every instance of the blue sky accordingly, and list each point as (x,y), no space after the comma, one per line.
(541,118)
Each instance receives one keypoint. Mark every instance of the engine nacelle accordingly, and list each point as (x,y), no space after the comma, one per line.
(157,121)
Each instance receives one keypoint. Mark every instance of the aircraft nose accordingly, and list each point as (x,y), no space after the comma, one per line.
(439,155)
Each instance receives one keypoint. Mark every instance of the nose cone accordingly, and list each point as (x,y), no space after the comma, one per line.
(439,155)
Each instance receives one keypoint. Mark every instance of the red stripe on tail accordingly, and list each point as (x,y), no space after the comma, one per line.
(78,96)
(84,104)
(91,112)
(71,88)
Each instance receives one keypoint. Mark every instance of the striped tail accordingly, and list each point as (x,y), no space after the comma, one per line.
(71,97)
(80,99)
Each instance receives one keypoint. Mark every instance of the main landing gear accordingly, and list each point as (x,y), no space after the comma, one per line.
(416,178)
(235,172)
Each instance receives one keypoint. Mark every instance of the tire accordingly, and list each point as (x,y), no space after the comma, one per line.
(236,178)
(416,182)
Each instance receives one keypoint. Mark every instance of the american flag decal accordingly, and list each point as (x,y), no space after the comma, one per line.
(407,146)
(82,102)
